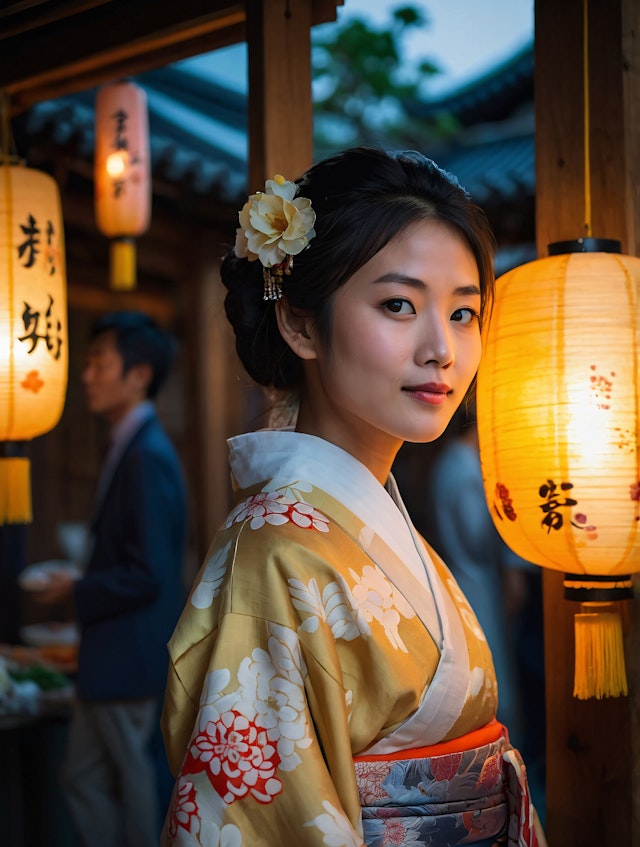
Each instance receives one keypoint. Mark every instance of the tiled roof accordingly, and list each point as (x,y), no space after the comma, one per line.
(495,170)
(493,96)
(199,131)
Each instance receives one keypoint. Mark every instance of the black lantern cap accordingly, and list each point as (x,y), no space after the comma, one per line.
(585,245)
(592,588)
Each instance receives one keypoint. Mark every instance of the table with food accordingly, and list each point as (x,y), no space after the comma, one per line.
(36,698)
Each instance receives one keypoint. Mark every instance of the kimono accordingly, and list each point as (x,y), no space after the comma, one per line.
(324,661)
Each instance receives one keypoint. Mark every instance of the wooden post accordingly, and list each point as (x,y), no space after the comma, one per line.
(280,106)
(593,760)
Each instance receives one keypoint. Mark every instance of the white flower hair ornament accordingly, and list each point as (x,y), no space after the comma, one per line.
(275,226)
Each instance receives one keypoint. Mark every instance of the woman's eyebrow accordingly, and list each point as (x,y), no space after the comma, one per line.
(413,282)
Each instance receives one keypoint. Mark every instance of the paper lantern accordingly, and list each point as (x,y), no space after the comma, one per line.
(33,326)
(558,403)
(122,175)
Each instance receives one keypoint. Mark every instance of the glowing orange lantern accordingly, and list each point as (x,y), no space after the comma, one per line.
(33,326)
(122,175)
(558,421)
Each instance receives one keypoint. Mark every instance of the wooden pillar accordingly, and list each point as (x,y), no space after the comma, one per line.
(593,746)
(280,106)
(216,401)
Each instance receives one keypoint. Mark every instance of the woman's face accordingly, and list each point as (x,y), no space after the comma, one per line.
(405,346)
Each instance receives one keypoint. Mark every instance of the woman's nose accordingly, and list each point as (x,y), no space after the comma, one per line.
(437,346)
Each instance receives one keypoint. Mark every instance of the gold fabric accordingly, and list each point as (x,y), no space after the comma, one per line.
(297,647)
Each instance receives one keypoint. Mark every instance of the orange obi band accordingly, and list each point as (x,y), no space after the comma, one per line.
(476,738)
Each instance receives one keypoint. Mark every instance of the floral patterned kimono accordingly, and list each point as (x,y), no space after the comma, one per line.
(322,644)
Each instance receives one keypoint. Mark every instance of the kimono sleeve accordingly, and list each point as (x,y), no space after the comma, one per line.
(254,772)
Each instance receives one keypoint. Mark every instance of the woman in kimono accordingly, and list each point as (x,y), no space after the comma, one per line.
(329,683)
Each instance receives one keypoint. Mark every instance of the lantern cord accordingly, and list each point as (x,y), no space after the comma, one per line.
(587,143)
(8,152)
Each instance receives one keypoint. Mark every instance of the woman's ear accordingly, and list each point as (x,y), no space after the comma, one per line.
(296,329)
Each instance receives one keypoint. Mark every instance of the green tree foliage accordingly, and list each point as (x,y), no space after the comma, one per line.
(361,83)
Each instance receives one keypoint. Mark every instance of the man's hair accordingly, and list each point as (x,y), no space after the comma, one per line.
(140,341)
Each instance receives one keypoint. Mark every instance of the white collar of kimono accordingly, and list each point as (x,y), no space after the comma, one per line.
(282,455)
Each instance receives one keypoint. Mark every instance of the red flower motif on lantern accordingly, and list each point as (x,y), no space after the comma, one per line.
(238,758)
(634,490)
(502,493)
(32,382)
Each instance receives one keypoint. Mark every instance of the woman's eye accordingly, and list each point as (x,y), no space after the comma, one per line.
(399,306)
(464,316)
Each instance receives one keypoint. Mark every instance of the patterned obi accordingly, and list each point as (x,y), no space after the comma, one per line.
(471,790)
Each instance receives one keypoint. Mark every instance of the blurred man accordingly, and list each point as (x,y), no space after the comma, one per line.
(130,597)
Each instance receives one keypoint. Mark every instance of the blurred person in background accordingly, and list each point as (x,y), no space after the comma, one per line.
(129,598)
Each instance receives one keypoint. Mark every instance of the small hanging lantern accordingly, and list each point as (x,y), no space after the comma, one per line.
(33,325)
(122,175)
(558,421)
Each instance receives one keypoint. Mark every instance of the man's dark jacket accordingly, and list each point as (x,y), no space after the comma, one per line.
(128,602)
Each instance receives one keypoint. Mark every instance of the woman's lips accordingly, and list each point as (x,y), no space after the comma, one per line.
(434,393)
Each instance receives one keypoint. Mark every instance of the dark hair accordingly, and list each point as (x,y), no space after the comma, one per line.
(140,341)
(363,198)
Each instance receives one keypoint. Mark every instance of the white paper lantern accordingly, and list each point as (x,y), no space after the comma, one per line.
(558,420)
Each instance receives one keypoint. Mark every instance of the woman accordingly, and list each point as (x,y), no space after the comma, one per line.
(329,683)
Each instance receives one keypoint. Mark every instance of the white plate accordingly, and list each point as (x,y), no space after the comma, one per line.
(49,634)
(36,577)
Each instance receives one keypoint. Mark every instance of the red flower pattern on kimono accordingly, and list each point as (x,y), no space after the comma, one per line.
(394,832)
(490,773)
(371,775)
(238,758)
(276,509)
(185,808)
(446,766)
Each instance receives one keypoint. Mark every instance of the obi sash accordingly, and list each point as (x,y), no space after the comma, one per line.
(471,790)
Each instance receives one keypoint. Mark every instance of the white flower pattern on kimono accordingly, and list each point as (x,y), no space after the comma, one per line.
(276,509)
(214,836)
(476,681)
(279,701)
(465,610)
(335,827)
(348,701)
(246,736)
(380,602)
(207,589)
(336,606)
(295,490)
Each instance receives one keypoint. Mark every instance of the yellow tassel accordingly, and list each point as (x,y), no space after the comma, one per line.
(123,275)
(599,659)
(15,490)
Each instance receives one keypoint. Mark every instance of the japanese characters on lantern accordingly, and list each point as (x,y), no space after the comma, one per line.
(33,326)
(122,174)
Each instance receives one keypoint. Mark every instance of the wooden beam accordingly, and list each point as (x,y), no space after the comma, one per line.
(592,746)
(280,106)
(108,39)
